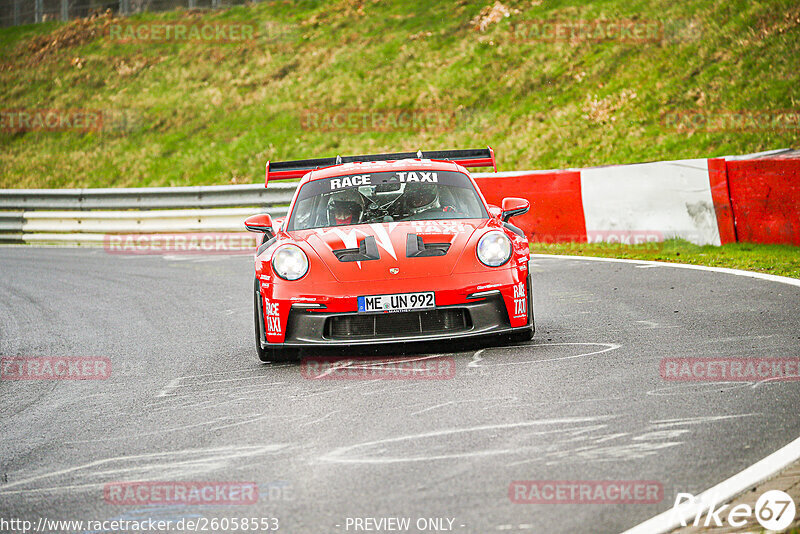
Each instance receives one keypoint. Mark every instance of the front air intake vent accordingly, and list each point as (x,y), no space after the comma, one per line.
(367,250)
(416,248)
(401,324)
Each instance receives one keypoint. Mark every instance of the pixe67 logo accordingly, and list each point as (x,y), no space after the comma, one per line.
(774,511)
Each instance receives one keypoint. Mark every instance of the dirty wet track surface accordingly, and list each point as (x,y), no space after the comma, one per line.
(187,401)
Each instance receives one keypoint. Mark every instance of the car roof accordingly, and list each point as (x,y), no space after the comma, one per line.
(345,169)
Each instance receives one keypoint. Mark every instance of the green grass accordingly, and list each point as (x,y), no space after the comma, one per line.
(214,113)
(783,260)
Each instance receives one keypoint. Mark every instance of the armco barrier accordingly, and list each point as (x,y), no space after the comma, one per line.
(146,198)
(85,216)
(712,201)
(144,222)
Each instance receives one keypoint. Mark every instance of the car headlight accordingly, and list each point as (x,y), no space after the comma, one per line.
(290,262)
(494,249)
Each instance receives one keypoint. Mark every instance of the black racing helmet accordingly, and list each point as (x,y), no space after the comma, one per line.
(419,197)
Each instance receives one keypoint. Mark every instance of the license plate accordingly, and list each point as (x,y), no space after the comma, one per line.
(397,302)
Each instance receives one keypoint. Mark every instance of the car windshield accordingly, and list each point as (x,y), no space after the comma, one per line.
(386,197)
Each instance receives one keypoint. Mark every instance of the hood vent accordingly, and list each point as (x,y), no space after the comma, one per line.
(367,250)
(416,248)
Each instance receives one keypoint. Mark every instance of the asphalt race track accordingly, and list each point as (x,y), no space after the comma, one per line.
(187,400)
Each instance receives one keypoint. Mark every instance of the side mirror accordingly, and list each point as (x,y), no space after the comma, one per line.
(514,206)
(495,211)
(259,223)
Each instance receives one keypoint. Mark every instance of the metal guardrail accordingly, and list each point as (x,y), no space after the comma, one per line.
(147,198)
(87,215)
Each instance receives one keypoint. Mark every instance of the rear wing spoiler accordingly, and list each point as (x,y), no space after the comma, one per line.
(285,170)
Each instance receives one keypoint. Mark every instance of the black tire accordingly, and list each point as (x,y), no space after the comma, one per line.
(268,354)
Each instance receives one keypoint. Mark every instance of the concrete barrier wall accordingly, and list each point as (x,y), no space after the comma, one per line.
(765,199)
(705,201)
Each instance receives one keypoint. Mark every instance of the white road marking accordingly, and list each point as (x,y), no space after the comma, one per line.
(228,389)
(260,417)
(651,324)
(335,367)
(733,486)
(339,455)
(680,389)
(773,380)
(170,386)
(721,493)
(608,347)
(320,419)
(171,465)
(724,270)
(374,364)
(476,359)
(152,433)
(701,420)
(453,403)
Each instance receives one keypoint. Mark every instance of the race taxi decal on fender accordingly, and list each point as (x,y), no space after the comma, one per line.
(520,300)
(273,317)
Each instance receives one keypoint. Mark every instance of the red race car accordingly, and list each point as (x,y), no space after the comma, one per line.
(389,248)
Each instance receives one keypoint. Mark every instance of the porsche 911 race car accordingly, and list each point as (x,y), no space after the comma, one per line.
(389,248)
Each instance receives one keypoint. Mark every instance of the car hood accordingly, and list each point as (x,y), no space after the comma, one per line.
(391,243)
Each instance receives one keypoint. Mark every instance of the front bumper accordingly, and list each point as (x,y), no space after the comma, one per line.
(484,316)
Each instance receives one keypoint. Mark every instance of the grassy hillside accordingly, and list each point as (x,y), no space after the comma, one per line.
(196,113)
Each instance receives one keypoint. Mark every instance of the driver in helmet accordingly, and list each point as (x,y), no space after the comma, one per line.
(345,207)
(419,197)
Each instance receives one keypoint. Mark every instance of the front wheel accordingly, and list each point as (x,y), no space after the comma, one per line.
(268,354)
